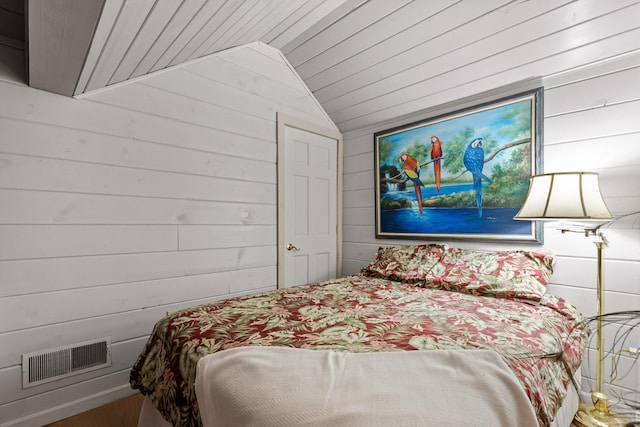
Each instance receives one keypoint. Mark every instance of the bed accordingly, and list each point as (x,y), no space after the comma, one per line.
(410,298)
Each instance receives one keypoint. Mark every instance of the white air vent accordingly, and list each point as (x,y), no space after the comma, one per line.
(55,363)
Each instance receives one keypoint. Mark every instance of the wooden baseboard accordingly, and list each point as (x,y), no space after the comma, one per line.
(121,413)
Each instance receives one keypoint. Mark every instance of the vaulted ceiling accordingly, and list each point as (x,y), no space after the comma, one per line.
(365,61)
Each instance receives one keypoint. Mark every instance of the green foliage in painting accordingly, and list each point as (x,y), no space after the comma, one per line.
(510,179)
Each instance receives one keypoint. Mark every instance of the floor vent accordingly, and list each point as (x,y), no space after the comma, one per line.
(60,362)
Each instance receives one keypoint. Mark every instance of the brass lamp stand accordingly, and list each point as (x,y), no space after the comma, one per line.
(598,414)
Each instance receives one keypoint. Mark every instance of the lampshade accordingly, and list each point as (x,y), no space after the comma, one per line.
(564,196)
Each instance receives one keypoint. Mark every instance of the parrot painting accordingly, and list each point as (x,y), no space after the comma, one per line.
(474,162)
(411,168)
(436,153)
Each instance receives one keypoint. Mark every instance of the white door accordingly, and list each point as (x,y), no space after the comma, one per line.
(309,208)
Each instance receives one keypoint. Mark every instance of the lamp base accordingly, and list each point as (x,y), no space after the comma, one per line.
(598,414)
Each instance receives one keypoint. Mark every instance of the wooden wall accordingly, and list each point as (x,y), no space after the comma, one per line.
(161,193)
(590,123)
(127,203)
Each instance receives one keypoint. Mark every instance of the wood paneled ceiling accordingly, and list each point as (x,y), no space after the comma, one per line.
(105,42)
(366,61)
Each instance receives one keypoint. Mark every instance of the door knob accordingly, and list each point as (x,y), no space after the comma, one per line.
(291,247)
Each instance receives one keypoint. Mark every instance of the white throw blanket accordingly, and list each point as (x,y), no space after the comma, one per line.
(280,386)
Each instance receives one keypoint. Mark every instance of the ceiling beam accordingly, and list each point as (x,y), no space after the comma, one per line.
(59,36)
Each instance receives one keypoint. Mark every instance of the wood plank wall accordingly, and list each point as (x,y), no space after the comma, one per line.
(125,204)
(590,124)
(121,205)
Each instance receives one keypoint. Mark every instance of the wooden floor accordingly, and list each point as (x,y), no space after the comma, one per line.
(121,413)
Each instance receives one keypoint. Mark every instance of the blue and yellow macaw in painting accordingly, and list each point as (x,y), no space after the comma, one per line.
(411,168)
(474,162)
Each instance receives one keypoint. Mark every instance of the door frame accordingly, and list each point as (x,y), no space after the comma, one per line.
(283,121)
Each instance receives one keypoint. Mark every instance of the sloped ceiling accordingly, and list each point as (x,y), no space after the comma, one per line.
(78,46)
(366,61)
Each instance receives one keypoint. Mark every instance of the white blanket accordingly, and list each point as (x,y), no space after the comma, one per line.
(279,386)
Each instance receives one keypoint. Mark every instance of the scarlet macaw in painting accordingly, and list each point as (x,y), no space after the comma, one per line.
(436,153)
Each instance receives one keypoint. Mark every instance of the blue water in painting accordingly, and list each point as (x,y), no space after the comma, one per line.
(429,191)
(449,220)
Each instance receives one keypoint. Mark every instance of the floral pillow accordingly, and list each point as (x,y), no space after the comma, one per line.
(504,274)
(405,263)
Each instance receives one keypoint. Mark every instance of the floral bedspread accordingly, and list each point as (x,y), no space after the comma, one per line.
(538,340)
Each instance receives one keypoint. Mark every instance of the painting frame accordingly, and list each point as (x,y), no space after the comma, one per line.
(478,169)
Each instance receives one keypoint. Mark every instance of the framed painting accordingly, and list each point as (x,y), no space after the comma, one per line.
(462,175)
